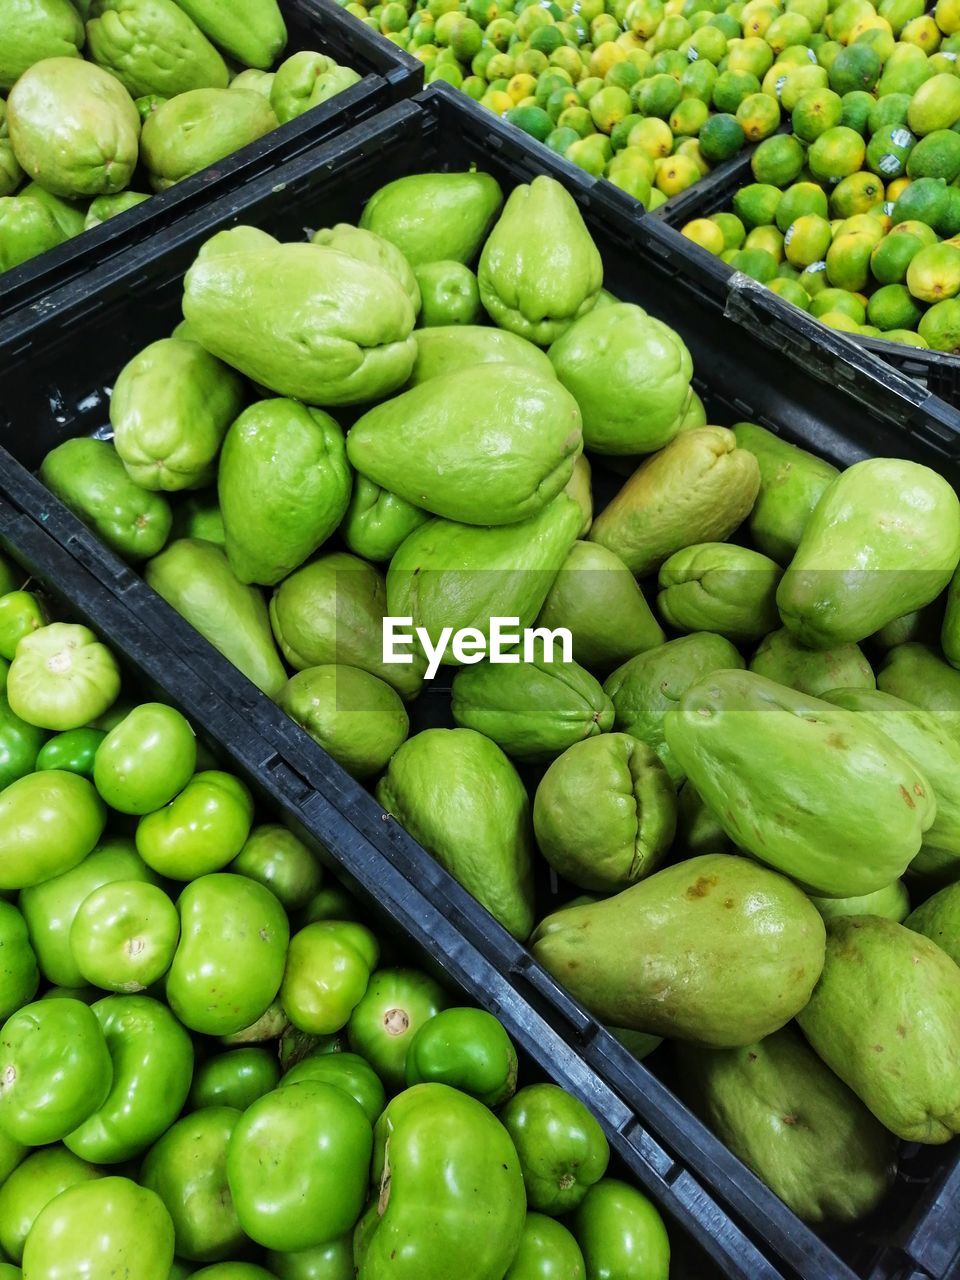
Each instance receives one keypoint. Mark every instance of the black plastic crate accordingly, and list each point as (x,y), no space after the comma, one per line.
(389,74)
(705,1240)
(938,371)
(58,375)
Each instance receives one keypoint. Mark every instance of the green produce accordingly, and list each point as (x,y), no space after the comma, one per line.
(835,1165)
(450,294)
(884,984)
(891,901)
(331,612)
(196,129)
(467,1049)
(481,832)
(124,936)
(367,246)
(26,229)
(98,1226)
(347,1071)
(670,956)
(171,441)
(35,30)
(598,600)
(104,208)
(74,128)
(221,983)
(435,217)
(649,685)
(721,588)
(20,745)
(531,710)
(385,1022)
(145,760)
(377,521)
(49,822)
(605,813)
(56,1070)
(62,677)
(133,39)
(328,968)
(539,269)
(68,214)
(915,673)
(187,1169)
(630,375)
(304,81)
(621,1233)
(450,348)
(698,489)
(447,1192)
(459,576)
(782,657)
(202,828)
(234,1079)
(11,1154)
(19,975)
(30,1188)
(195,577)
(90,478)
(297,1165)
(152,1059)
(21,613)
(251,31)
(430,444)
(197,515)
(279,860)
(562,1149)
(884,540)
(355,716)
(950,633)
(781,769)
(698,828)
(546,1249)
(303,320)
(939,919)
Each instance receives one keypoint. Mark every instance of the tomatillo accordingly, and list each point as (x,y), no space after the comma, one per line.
(562,1148)
(145,760)
(548,1252)
(21,613)
(19,975)
(31,1187)
(395,1006)
(124,936)
(234,1079)
(333,1261)
(348,1071)
(449,293)
(20,745)
(73,751)
(62,677)
(467,1049)
(48,823)
(200,830)
(328,968)
(621,1233)
(277,859)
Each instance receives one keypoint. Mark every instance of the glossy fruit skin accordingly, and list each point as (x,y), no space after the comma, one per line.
(236,1078)
(51,908)
(60,1067)
(467,1049)
(276,858)
(621,1234)
(396,1004)
(124,936)
(298,1165)
(200,830)
(20,745)
(328,968)
(187,1168)
(98,1228)
(562,1148)
(19,975)
(37,1181)
(220,984)
(333,1261)
(348,1071)
(48,823)
(11,1154)
(152,1059)
(547,1252)
(20,614)
(62,677)
(73,751)
(146,760)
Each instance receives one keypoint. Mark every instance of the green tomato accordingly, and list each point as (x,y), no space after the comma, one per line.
(199,831)
(331,903)
(51,908)
(328,968)
(19,975)
(467,1049)
(277,859)
(395,1006)
(152,1068)
(187,1169)
(271,1024)
(348,1071)
(31,1187)
(562,1148)
(55,1070)
(234,1271)
(333,1261)
(547,1252)
(9,1272)
(229,964)
(73,751)
(110,1227)
(450,294)
(21,613)
(181,1271)
(298,1164)
(145,760)
(235,1079)
(11,1153)
(49,822)
(124,936)
(20,744)
(621,1233)
(62,677)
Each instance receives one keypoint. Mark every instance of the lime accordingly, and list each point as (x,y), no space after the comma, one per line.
(690,147)
(805,78)
(786,271)
(758,116)
(837,320)
(891,257)
(906,70)
(756,204)
(768,238)
(937,155)
(689,116)
(530,61)
(561,100)
(608,107)
(670,62)
(560,140)
(899,12)
(791,291)
(800,199)
(923,201)
(778,160)
(604,57)
(906,337)
(720,138)
(752,54)
(634,182)
(731,228)
(731,87)
(532,120)
(578,119)
(888,150)
(924,233)
(836,154)
(848,261)
(838,300)
(676,174)
(856,110)
(934,273)
(789,28)
(814,278)
(892,307)
(859,193)
(757,19)
(706,234)
(756,263)
(815,113)
(856,67)
(815,11)
(547,39)
(827,53)
(947,15)
(888,111)
(653,136)
(588,155)
(880,40)
(845,17)
(709,43)
(671,33)
(807,240)
(644,16)
(698,80)
(657,96)
(923,32)
(949,224)
(635,159)
(940,327)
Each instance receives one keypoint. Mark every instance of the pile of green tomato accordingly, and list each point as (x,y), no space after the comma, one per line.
(210,1066)
(653,94)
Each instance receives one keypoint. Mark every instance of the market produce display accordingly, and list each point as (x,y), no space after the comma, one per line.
(103,102)
(745,763)
(209,1065)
